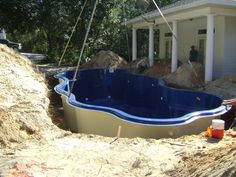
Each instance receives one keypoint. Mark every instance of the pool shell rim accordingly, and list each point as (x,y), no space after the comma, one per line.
(186,119)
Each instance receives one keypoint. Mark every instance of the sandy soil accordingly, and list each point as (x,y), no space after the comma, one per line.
(23,100)
(90,155)
(31,145)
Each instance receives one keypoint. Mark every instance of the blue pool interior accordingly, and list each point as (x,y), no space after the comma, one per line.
(126,94)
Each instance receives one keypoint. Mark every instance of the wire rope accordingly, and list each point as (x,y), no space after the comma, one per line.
(73,30)
(83,46)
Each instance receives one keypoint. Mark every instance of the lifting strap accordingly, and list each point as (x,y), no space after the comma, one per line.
(73,30)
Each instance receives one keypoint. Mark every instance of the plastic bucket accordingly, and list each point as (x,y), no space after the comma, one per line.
(218,127)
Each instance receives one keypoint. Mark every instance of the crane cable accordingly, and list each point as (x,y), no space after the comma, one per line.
(126,30)
(164,18)
(83,46)
(73,30)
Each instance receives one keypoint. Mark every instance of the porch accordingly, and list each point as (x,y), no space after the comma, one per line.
(200,23)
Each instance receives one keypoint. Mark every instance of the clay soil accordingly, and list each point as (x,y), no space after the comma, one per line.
(31,145)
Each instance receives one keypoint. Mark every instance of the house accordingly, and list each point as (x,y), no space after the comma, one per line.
(210,25)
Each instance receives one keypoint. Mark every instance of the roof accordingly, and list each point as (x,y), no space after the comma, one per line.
(179,6)
(178,3)
(184,2)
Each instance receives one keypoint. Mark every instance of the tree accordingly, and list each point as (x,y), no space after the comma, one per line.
(16,15)
(44,25)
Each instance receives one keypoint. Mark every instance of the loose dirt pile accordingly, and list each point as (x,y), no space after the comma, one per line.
(186,76)
(105,59)
(23,99)
(31,146)
(159,69)
(137,66)
(224,87)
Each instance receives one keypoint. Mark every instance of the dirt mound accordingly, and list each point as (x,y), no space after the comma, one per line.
(207,160)
(137,66)
(23,99)
(105,59)
(224,87)
(159,69)
(186,76)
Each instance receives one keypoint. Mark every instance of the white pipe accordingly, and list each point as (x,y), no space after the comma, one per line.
(134,44)
(174,60)
(151,46)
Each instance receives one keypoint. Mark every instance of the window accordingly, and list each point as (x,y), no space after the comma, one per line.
(168,34)
(202,31)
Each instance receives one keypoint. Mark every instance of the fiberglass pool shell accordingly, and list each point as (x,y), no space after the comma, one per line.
(135,99)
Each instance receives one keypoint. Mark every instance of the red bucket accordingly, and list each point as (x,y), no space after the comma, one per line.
(218,133)
(218,128)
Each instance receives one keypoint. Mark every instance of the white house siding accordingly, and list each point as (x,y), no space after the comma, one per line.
(187,36)
(188,33)
(230,46)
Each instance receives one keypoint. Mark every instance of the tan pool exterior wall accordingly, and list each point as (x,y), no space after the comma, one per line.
(102,123)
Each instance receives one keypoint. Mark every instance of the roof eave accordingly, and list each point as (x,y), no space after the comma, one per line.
(154,14)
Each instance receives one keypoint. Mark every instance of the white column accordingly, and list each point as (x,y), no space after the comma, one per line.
(151,46)
(174,60)
(209,48)
(134,44)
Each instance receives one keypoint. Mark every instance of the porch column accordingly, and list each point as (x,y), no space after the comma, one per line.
(134,43)
(174,60)
(151,46)
(209,48)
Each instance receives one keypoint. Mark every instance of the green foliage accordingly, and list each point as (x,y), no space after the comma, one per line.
(44,26)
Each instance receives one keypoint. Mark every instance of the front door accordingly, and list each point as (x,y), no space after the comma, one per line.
(168,48)
(202,50)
